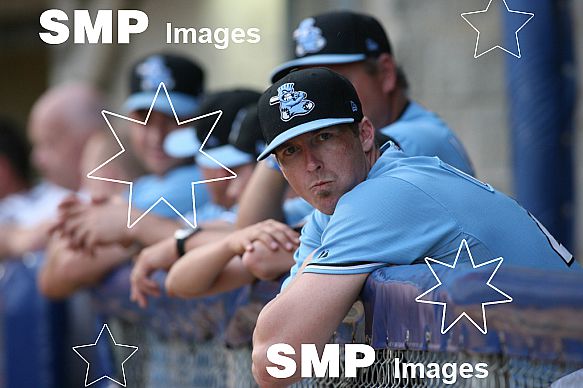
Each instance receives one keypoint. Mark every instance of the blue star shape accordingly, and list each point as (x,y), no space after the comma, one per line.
(519,17)
(93,175)
(84,351)
(464,246)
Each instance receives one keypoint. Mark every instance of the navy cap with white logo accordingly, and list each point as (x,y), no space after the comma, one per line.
(182,77)
(335,38)
(304,101)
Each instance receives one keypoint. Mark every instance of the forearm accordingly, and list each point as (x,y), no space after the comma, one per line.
(321,301)
(196,272)
(233,276)
(255,205)
(65,271)
(205,236)
(16,241)
(151,229)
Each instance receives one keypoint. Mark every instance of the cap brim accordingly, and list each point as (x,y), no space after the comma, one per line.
(300,130)
(184,105)
(182,143)
(314,60)
(228,155)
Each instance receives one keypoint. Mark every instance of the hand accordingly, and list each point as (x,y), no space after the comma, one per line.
(158,256)
(98,223)
(265,264)
(272,233)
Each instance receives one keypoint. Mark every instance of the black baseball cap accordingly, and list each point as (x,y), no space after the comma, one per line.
(183,78)
(221,143)
(304,101)
(250,138)
(334,38)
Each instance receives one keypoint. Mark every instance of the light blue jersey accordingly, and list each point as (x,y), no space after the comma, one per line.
(174,186)
(420,132)
(410,208)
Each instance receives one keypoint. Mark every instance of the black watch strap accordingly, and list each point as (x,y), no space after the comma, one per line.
(181,236)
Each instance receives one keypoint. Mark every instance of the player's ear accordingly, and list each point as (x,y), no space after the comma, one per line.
(366,134)
(387,71)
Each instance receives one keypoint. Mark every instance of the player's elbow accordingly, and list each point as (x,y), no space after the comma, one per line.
(176,286)
(262,365)
(170,284)
(52,286)
(264,337)
(259,367)
(258,265)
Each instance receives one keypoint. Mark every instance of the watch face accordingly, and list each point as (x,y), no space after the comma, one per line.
(183,233)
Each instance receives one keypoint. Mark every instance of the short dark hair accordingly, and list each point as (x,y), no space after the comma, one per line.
(15,148)
(379,138)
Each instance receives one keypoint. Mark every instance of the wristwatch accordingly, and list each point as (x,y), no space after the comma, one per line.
(181,235)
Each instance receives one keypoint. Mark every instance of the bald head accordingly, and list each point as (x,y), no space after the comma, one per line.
(60,123)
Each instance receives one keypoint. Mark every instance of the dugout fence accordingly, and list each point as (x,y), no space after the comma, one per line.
(531,342)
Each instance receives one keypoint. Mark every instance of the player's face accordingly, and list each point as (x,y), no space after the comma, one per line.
(237,185)
(323,165)
(148,141)
(56,150)
(226,192)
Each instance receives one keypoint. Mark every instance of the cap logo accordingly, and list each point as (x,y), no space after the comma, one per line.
(323,254)
(353,106)
(291,103)
(153,71)
(308,38)
(371,45)
(236,125)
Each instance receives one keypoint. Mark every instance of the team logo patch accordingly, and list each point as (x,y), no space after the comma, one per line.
(153,71)
(308,38)
(371,45)
(291,102)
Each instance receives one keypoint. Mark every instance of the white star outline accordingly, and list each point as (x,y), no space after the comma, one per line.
(476,55)
(464,244)
(105,326)
(91,175)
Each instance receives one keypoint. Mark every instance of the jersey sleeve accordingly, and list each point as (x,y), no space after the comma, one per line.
(382,222)
(310,239)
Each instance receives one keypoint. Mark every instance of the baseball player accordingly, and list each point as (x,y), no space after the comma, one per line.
(356,46)
(375,207)
(236,141)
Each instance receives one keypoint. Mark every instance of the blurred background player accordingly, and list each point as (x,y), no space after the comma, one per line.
(60,123)
(102,223)
(235,142)
(105,222)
